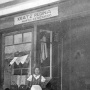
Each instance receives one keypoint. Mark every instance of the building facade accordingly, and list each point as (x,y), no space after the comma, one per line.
(55,37)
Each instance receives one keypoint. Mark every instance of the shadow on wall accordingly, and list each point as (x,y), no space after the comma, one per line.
(7,89)
(80,57)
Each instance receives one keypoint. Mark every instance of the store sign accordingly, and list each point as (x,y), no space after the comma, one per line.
(36,16)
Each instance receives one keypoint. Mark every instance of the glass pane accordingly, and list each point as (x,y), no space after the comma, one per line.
(45,62)
(13,79)
(18,48)
(45,54)
(23,47)
(27,47)
(17,72)
(9,40)
(9,56)
(17,66)
(25,65)
(24,71)
(17,38)
(45,71)
(45,36)
(27,37)
(9,49)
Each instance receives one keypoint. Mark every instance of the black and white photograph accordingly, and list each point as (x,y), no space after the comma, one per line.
(44,44)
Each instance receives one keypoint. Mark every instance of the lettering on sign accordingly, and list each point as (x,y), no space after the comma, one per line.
(36,16)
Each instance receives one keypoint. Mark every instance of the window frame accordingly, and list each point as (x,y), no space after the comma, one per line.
(14,33)
(50,32)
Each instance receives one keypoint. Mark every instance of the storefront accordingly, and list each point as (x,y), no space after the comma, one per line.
(55,37)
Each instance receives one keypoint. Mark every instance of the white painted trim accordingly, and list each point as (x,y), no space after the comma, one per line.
(24,6)
(51,54)
(5,1)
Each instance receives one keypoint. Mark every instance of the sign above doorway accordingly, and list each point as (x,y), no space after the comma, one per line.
(48,13)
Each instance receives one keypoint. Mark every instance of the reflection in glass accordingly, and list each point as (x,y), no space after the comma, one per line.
(23,47)
(46,53)
(9,49)
(17,38)
(9,40)
(45,71)
(17,72)
(27,37)
(18,48)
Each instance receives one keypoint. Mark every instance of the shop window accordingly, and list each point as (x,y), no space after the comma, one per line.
(27,37)
(17,45)
(17,38)
(9,40)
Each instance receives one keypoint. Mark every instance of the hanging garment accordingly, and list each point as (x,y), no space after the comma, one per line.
(44,51)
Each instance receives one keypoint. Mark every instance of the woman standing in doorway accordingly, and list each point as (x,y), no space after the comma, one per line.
(36,80)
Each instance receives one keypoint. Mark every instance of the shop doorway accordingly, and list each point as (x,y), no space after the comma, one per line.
(49,53)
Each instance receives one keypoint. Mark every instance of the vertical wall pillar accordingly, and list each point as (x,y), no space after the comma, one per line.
(35,43)
(1,64)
